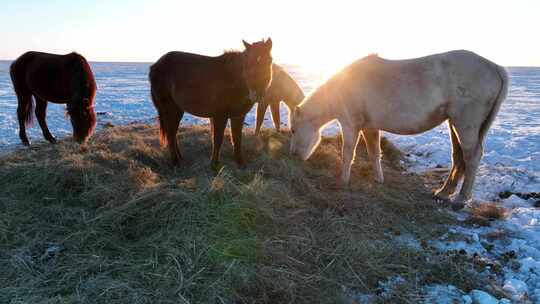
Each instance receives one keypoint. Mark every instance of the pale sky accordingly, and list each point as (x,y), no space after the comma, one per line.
(323,35)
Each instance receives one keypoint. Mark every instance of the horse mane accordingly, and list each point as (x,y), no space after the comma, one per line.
(87,77)
(232,66)
(372,56)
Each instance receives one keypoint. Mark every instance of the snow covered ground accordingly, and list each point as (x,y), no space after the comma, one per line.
(511,161)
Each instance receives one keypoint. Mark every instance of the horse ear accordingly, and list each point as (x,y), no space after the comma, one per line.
(269,44)
(246,45)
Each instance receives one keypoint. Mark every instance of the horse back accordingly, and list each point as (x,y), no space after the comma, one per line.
(198,84)
(52,77)
(413,95)
(184,68)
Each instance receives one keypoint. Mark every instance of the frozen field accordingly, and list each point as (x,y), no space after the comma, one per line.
(511,161)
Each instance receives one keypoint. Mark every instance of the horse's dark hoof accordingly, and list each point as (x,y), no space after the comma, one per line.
(52,140)
(241,164)
(26,143)
(441,198)
(215,166)
(175,162)
(457,205)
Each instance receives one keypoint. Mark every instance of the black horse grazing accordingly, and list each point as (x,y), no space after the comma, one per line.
(220,88)
(64,79)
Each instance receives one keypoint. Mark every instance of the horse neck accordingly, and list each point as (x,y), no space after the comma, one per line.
(294,95)
(232,68)
(319,108)
(291,93)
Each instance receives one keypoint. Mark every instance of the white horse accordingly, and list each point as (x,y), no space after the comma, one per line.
(407,97)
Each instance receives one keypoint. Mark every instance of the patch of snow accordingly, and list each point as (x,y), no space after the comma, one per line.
(445,294)
(482,297)
(515,288)
(388,287)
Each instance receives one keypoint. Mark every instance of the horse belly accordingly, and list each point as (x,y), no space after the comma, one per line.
(195,102)
(410,121)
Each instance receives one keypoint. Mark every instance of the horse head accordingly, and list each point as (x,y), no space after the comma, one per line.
(257,68)
(83,118)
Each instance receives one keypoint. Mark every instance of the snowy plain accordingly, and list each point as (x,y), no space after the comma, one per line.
(511,161)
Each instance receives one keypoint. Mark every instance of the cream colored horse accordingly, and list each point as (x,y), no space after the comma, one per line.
(407,97)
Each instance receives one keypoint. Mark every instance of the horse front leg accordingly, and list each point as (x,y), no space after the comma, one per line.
(237,124)
(261,110)
(274,109)
(218,130)
(350,137)
(373,146)
(41,113)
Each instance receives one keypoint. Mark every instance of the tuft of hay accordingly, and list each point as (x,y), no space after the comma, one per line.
(491,211)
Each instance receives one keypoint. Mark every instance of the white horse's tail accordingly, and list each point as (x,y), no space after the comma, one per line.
(503,92)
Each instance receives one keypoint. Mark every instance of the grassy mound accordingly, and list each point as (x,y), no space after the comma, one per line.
(112,222)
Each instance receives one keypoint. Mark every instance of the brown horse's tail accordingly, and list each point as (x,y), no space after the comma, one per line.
(28,110)
(503,91)
(24,95)
(162,130)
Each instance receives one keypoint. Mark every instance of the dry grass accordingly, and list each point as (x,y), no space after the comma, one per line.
(113,223)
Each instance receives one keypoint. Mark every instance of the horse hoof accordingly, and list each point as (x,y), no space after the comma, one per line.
(175,163)
(437,195)
(52,140)
(215,166)
(241,164)
(456,206)
(26,143)
(342,185)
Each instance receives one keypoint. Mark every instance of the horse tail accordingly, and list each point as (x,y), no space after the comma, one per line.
(162,130)
(17,72)
(501,96)
(163,141)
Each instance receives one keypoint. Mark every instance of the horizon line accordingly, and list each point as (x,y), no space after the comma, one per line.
(295,64)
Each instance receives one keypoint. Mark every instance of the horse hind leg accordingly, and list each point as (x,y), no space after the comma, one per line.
(237,124)
(472,147)
(41,112)
(218,125)
(457,170)
(373,147)
(24,114)
(171,128)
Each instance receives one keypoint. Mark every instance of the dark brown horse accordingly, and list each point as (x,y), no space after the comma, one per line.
(282,88)
(220,88)
(64,79)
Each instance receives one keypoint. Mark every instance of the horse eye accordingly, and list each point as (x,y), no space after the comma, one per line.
(292,131)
